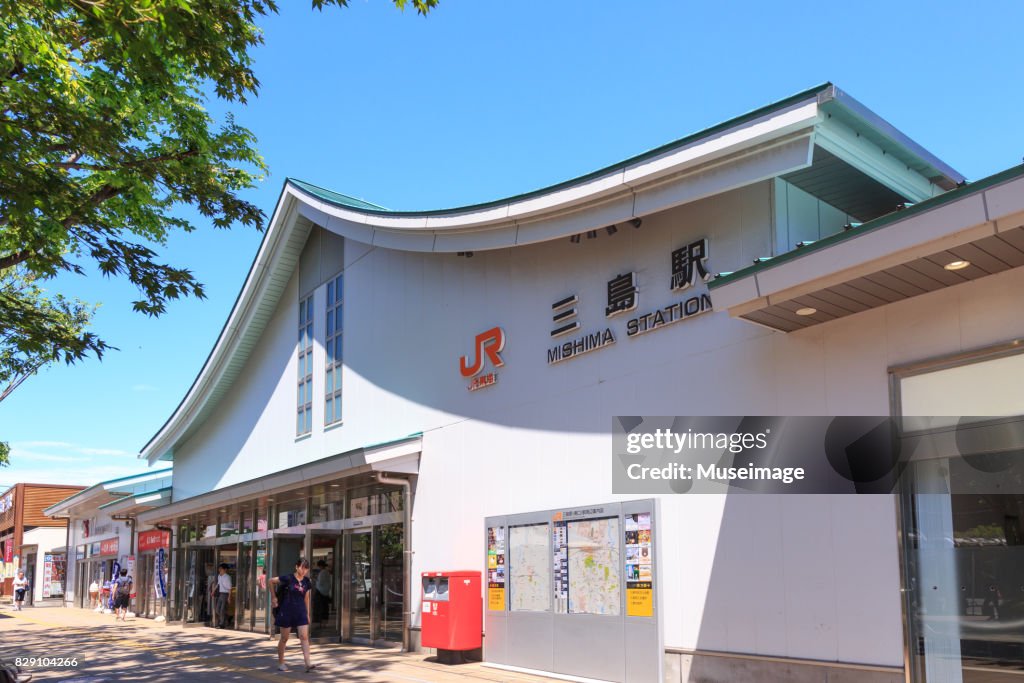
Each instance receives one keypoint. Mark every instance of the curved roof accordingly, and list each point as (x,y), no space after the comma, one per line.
(772,141)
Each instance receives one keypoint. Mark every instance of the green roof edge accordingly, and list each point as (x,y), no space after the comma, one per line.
(326,195)
(110,481)
(134,495)
(871,226)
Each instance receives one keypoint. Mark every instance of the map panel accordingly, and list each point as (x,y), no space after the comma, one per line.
(594,578)
(529,568)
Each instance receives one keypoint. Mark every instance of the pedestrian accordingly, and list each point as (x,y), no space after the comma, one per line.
(290,595)
(20,585)
(94,594)
(223,592)
(322,597)
(122,589)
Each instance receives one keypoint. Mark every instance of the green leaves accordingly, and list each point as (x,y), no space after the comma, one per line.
(38,329)
(103,132)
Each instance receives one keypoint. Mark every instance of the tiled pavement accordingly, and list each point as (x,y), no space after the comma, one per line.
(143,650)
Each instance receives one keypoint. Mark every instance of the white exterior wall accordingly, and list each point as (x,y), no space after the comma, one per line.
(799,576)
(45,539)
(108,529)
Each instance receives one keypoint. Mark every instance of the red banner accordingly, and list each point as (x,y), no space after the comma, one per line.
(151,540)
(108,547)
(9,550)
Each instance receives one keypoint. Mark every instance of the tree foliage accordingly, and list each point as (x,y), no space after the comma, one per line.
(103,136)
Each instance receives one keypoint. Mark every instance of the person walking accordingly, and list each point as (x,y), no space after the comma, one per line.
(122,595)
(20,586)
(223,593)
(290,596)
(94,594)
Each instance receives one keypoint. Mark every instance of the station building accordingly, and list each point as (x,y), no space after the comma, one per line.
(401,392)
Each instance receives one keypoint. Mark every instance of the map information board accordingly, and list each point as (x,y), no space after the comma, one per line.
(595,582)
(529,572)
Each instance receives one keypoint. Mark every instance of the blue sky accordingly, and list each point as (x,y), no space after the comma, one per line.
(487,99)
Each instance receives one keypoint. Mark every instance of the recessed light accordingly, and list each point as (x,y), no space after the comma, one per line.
(806,310)
(956,265)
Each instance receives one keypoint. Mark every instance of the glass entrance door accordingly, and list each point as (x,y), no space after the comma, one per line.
(243,588)
(325,561)
(392,584)
(373,580)
(261,623)
(199,582)
(359,583)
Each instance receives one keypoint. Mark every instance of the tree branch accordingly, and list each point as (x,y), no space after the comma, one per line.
(15,258)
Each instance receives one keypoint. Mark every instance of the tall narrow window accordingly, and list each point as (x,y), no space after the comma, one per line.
(304,420)
(332,383)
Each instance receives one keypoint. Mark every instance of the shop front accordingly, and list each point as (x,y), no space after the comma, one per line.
(349,526)
(151,572)
(97,567)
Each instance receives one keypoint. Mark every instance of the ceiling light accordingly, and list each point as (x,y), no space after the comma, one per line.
(806,310)
(636,222)
(591,234)
(575,239)
(956,265)
(612,229)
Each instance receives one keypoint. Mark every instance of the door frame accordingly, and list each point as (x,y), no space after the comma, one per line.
(338,534)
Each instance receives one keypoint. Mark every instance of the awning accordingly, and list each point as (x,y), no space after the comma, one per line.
(969,233)
(140,502)
(400,457)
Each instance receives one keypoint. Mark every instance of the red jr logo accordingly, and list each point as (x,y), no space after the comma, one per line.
(488,343)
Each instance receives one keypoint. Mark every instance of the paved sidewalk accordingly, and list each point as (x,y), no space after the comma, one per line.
(143,650)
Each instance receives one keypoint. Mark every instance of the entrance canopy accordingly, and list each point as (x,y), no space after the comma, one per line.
(399,457)
(972,232)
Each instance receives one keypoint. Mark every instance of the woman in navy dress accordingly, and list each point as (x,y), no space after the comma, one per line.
(292,610)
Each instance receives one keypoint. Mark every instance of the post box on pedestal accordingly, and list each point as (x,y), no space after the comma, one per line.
(452,612)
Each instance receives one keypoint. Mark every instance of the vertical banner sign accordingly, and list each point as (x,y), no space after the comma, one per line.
(9,550)
(47,574)
(161,586)
(639,576)
(496,568)
(115,572)
(560,563)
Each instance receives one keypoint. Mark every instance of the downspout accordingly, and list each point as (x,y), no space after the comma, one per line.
(131,534)
(406,555)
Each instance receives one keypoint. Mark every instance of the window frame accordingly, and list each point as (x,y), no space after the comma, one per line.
(334,306)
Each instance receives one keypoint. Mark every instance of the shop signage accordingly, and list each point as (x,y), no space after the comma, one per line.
(108,547)
(488,346)
(9,550)
(115,572)
(689,266)
(161,585)
(47,574)
(7,503)
(496,568)
(151,540)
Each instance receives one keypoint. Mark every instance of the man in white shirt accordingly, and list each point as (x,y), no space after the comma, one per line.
(223,591)
(20,586)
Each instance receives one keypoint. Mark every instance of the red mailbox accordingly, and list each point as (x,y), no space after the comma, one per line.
(452,610)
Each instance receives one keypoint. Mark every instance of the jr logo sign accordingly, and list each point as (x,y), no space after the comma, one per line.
(488,346)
